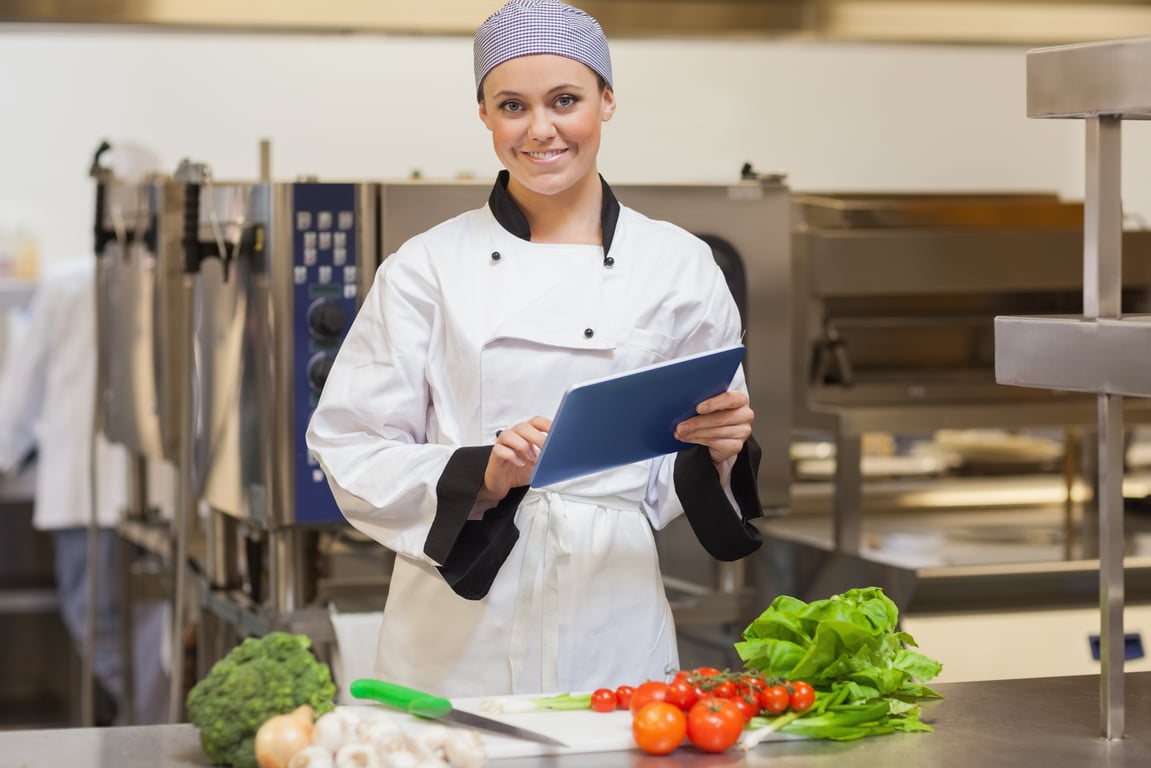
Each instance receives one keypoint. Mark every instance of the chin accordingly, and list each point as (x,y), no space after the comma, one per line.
(548,184)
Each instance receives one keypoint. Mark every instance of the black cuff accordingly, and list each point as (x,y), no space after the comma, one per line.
(471,551)
(724,535)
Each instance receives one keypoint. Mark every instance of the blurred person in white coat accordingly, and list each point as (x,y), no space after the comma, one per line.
(47,403)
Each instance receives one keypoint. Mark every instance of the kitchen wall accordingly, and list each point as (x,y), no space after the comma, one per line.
(830,116)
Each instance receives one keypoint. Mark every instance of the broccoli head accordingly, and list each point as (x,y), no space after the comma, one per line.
(258,679)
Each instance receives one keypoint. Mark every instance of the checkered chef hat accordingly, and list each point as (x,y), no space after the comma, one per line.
(526,27)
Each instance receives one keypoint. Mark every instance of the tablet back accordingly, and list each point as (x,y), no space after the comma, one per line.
(631,416)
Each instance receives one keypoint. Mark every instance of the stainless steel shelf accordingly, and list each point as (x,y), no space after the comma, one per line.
(1102,78)
(1101,352)
(1075,353)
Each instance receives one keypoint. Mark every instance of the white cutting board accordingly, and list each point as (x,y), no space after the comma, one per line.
(582,731)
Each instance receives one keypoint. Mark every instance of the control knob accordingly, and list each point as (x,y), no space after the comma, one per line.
(326,319)
(318,369)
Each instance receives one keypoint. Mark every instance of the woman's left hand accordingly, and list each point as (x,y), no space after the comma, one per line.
(723,425)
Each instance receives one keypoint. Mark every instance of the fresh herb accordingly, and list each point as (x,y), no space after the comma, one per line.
(867,679)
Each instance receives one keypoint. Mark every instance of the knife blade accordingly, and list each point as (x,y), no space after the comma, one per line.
(430,707)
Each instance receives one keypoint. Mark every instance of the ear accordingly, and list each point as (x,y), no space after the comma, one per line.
(484,115)
(608,99)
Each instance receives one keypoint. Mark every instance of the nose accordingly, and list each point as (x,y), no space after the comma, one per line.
(542,128)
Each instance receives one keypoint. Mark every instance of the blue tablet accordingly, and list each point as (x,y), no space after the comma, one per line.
(631,416)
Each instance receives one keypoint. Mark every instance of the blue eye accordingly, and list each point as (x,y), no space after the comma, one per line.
(512,106)
(566,100)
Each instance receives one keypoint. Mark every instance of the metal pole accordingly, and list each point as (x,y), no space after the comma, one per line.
(92,587)
(92,592)
(1102,286)
(1111,586)
(134,513)
(848,533)
(182,524)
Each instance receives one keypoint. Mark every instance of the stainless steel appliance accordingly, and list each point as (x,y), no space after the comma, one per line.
(141,311)
(894,298)
(278,271)
(141,346)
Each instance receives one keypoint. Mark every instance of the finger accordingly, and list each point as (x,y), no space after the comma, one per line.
(506,455)
(526,440)
(708,424)
(532,433)
(724,401)
(541,423)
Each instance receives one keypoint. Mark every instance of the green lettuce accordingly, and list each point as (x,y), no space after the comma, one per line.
(867,678)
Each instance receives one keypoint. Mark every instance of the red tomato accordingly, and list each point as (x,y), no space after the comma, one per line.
(603,700)
(623,696)
(705,672)
(802,696)
(748,706)
(658,728)
(682,694)
(755,683)
(775,699)
(724,690)
(646,693)
(714,724)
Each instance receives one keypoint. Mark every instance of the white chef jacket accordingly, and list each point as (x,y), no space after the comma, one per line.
(47,401)
(470,328)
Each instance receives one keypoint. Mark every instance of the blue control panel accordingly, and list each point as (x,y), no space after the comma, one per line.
(325,285)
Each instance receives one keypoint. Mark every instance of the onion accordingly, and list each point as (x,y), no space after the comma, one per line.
(282,736)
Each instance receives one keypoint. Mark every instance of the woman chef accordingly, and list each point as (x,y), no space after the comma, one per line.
(442,393)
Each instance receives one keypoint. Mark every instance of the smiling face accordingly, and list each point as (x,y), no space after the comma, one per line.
(545,113)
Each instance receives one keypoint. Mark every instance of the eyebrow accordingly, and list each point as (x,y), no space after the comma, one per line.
(563,87)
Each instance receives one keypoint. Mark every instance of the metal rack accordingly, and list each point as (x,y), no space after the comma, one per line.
(1102,84)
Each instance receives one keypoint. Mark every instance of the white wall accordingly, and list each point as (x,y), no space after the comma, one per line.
(831,116)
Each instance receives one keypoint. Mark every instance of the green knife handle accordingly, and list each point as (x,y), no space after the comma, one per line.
(415,702)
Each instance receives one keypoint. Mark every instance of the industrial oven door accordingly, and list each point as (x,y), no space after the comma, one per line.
(140,316)
(227,455)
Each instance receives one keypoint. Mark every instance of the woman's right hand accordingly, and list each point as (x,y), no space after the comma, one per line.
(513,457)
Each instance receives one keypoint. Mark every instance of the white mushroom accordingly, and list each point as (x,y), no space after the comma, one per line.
(357,756)
(335,729)
(400,759)
(429,741)
(378,722)
(465,749)
(313,756)
(384,735)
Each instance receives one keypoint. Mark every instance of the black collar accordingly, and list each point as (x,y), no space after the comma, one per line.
(512,219)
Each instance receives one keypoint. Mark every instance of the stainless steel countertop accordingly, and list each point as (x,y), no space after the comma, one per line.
(1051,722)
